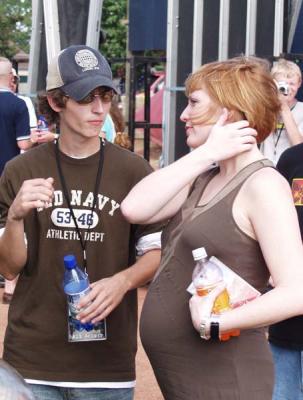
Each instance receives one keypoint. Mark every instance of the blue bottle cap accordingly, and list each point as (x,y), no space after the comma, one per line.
(70,261)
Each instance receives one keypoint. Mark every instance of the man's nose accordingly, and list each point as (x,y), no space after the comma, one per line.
(97,104)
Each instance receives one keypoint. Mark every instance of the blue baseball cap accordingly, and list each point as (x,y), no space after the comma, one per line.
(78,70)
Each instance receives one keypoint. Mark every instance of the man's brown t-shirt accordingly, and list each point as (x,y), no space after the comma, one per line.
(36,337)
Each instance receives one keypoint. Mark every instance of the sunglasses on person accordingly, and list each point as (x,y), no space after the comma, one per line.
(105,95)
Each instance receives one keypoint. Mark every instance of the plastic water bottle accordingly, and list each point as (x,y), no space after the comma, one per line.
(76,285)
(42,124)
(206,276)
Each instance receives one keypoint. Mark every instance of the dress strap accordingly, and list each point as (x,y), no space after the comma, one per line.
(235,182)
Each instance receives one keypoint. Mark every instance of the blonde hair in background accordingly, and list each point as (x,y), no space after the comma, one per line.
(244,86)
(287,68)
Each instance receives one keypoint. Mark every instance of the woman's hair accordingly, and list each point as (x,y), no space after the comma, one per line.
(244,86)
(287,68)
(58,96)
(121,138)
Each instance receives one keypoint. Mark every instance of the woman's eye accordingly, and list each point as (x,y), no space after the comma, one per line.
(192,102)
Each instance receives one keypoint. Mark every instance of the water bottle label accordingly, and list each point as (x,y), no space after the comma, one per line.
(79,332)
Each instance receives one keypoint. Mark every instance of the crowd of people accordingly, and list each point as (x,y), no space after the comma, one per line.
(77,189)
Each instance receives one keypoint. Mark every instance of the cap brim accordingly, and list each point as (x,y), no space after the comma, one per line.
(81,88)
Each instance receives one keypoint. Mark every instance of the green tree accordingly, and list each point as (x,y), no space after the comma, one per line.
(114,14)
(15,22)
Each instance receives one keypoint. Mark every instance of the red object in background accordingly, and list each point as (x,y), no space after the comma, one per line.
(156,108)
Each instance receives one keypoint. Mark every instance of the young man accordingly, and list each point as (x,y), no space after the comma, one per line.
(289,130)
(65,198)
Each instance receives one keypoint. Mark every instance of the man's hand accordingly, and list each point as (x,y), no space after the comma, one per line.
(229,139)
(34,193)
(104,297)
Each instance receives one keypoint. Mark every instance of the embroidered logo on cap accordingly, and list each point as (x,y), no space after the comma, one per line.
(86,59)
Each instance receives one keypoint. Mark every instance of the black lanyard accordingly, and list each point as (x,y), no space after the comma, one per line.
(83,241)
(277,137)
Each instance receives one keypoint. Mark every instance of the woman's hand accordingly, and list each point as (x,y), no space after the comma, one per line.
(226,140)
(201,306)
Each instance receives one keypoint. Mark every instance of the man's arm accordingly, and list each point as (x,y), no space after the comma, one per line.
(12,257)
(32,194)
(23,126)
(107,293)
(24,144)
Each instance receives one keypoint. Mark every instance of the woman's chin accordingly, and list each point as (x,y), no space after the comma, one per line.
(193,143)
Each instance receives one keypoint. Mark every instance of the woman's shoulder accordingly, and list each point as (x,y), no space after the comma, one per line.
(266,182)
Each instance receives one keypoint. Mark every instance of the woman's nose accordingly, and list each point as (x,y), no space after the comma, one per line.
(184,115)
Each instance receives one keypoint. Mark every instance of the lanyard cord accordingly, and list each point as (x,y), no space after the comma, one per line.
(67,199)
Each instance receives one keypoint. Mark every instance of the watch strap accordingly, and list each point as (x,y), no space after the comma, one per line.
(214,327)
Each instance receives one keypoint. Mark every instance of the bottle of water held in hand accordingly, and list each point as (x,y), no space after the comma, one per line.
(76,285)
(206,276)
(42,124)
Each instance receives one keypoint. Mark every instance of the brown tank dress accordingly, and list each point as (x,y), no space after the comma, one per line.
(187,367)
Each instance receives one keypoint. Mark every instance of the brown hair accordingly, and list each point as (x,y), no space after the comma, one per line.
(121,138)
(244,86)
(51,116)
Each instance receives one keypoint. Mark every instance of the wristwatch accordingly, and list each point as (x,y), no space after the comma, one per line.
(209,328)
(204,328)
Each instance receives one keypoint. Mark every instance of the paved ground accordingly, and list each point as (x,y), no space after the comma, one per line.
(147,387)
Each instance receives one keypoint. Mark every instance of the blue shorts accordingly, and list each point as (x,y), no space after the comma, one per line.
(45,392)
(288,373)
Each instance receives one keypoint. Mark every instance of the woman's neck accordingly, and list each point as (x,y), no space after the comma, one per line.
(233,165)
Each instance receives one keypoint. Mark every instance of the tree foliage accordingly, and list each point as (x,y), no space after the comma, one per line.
(114,15)
(15,22)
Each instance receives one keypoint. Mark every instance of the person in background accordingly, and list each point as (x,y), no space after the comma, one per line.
(242,213)
(286,337)
(14,117)
(29,104)
(14,132)
(65,197)
(289,128)
(113,129)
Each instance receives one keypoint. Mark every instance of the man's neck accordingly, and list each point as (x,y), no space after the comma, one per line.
(76,149)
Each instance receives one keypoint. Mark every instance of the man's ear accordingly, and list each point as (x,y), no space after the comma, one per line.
(53,104)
